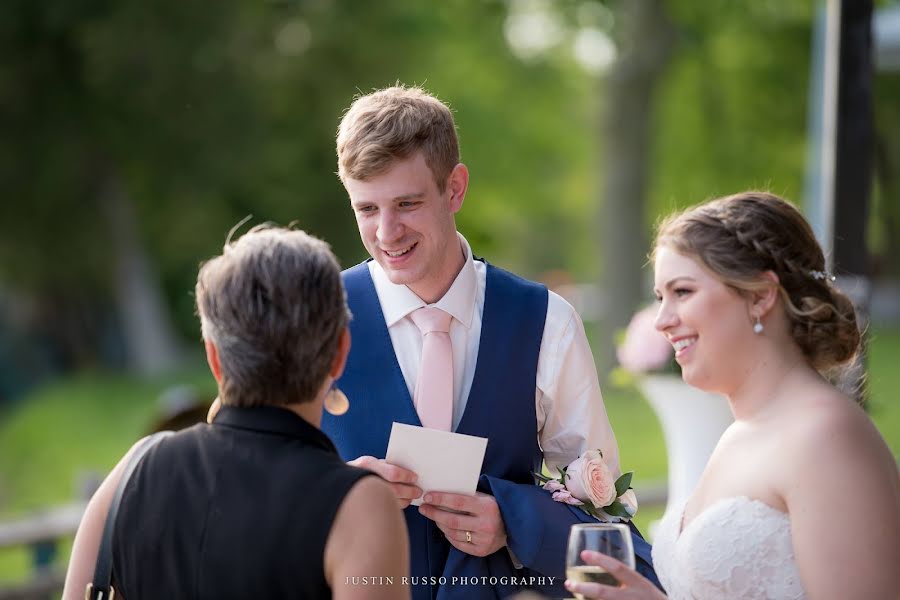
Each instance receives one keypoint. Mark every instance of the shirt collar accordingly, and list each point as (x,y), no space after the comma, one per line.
(276,420)
(397,301)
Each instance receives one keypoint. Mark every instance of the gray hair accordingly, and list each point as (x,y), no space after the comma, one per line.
(274,306)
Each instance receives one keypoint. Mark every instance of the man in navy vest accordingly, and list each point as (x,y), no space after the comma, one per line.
(521,369)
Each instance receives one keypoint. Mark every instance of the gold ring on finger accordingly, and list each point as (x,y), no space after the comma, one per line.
(469,537)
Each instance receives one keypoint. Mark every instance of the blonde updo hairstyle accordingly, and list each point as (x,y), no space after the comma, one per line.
(742,236)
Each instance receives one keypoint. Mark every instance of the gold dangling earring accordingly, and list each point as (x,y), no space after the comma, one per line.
(336,402)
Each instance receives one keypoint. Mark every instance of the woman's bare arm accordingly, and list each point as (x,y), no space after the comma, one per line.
(90,531)
(844,503)
(368,539)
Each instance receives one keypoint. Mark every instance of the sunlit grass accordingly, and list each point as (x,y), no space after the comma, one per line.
(884,385)
(68,434)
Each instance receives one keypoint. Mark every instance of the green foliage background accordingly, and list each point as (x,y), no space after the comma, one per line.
(204,113)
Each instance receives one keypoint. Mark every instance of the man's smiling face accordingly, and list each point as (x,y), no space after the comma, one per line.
(406,223)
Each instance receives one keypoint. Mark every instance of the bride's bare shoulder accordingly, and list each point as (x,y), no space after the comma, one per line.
(830,431)
(828,414)
(837,466)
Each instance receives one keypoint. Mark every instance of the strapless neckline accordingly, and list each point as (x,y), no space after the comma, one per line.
(738,548)
(717,505)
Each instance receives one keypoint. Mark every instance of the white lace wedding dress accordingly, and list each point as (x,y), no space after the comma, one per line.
(738,548)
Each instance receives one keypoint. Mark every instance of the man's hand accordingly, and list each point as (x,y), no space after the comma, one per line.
(402,480)
(471,523)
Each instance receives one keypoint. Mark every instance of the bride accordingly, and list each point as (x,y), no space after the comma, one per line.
(801,497)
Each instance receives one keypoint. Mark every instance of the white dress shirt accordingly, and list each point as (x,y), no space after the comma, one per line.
(571,417)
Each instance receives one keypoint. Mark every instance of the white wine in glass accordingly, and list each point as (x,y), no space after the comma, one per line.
(612,539)
(591,574)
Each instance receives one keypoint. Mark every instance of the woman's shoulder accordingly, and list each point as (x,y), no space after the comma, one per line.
(369,511)
(371,493)
(828,418)
(369,521)
(358,491)
(830,433)
(836,466)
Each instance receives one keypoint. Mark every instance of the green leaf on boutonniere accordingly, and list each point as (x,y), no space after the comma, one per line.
(543,478)
(562,474)
(617,509)
(590,511)
(623,483)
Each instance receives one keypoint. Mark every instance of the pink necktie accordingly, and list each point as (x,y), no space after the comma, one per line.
(434,387)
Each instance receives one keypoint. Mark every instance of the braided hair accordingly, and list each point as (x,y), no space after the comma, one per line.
(742,236)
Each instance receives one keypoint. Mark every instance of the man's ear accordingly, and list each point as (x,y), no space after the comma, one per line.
(457,184)
(212,357)
(763,300)
(340,359)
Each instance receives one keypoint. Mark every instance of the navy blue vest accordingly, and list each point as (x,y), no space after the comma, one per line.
(500,405)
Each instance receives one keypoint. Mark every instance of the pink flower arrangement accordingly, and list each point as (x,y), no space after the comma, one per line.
(588,477)
(644,347)
(560,493)
(589,484)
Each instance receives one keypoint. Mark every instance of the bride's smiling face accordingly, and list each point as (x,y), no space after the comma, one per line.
(706,321)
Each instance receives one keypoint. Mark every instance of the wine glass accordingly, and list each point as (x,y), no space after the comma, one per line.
(611,539)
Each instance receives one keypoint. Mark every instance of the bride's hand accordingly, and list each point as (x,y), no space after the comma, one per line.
(633,585)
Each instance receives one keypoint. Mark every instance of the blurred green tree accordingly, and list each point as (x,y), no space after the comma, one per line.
(729,114)
(138,134)
(646,37)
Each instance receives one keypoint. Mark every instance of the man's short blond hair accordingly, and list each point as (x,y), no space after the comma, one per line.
(392,124)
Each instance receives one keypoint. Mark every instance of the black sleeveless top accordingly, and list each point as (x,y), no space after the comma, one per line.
(238,509)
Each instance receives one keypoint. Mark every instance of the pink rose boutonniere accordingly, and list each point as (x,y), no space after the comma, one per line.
(589,484)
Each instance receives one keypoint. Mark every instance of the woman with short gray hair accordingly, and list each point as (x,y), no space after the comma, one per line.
(257,503)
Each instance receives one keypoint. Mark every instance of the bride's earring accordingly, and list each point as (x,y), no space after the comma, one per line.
(758,326)
(336,402)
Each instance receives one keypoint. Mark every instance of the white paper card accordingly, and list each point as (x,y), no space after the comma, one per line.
(443,460)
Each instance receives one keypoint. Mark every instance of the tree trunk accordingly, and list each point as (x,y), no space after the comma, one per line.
(648,38)
(146,324)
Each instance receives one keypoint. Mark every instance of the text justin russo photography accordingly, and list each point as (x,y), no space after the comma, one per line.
(379,580)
